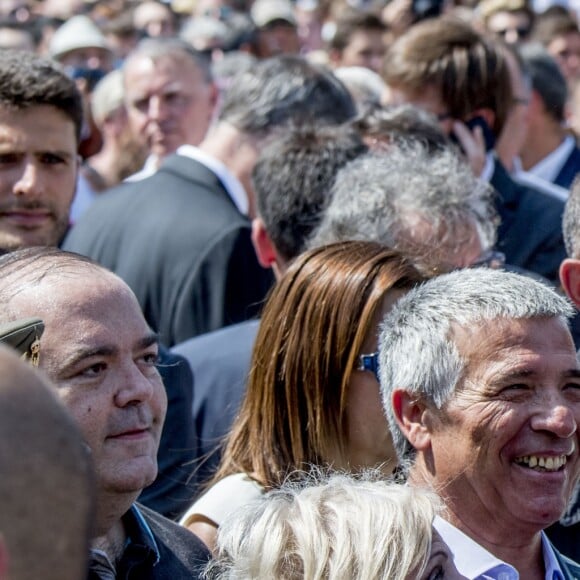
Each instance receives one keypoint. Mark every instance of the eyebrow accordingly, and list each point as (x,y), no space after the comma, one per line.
(106,350)
(525,374)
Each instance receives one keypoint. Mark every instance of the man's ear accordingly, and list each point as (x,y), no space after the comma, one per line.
(410,413)
(263,244)
(570,279)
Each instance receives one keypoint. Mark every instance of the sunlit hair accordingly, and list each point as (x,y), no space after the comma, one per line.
(467,69)
(417,350)
(384,195)
(312,330)
(340,528)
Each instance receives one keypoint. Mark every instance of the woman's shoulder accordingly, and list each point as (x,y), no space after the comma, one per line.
(222,498)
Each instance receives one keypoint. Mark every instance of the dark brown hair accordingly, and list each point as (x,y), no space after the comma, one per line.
(312,330)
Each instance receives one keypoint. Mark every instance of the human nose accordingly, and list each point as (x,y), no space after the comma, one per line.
(134,387)
(30,181)
(556,417)
(157,108)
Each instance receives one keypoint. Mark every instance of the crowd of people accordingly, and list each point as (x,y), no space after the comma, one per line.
(294,287)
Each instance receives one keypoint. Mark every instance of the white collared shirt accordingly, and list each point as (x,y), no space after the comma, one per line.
(230,182)
(549,167)
(476,563)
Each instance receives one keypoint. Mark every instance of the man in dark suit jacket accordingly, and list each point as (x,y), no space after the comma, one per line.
(418,68)
(181,238)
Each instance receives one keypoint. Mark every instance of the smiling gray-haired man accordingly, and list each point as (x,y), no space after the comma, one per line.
(481,388)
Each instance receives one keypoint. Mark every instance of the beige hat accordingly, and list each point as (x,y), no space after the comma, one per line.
(264,12)
(77,32)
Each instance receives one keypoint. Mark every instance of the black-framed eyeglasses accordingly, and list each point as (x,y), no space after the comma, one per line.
(369,362)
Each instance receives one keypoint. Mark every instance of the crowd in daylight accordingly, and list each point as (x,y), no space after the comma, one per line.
(289,289)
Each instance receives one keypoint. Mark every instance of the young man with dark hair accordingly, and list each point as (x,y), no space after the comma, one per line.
(359,40)
(40,125)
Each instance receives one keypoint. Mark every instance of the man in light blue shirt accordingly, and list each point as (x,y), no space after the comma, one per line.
(481,388)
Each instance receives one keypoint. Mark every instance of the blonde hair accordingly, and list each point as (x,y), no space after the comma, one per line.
(339,527)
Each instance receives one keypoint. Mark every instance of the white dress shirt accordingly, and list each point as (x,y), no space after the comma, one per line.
(476,563)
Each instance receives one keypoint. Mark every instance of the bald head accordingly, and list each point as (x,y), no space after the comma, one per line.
(101,354)
(46,488)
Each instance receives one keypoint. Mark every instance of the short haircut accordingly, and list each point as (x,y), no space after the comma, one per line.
(547,78)
(312,330)
(351,22)
(28,81)
(293,179)
(380,196)
(170,48)
(285,89)
(417,352)
(467,68)
(336,528)
(571,221)
(46,488)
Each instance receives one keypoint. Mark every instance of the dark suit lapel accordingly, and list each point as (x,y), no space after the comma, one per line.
(569,170)
(507,199)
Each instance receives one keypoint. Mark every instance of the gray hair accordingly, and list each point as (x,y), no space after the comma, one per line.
(282,90)
(365,86)
(417,352)
(339,529)
(571,221)
(172,48)
(380,197)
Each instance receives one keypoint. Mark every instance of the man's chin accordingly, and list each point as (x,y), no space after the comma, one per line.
(9,242)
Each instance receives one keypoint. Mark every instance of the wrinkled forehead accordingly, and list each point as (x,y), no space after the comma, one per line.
(486,340)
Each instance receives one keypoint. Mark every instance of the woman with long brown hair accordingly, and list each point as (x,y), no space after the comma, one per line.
(313,397)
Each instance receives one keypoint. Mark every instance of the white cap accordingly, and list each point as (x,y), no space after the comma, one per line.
(265,11)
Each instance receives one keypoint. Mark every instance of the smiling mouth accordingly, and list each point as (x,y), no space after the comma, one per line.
(542,463)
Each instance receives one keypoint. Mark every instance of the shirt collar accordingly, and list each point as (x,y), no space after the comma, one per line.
(140,544)
(474,561)
(553,569)
(231,183)
(549,167)
(471,559)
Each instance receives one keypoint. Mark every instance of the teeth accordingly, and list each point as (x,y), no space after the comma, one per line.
(544,463)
